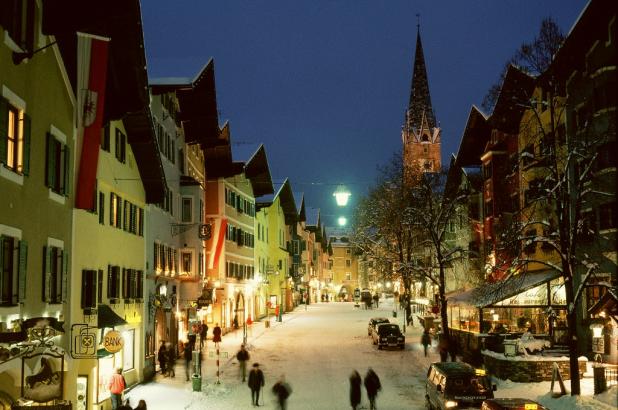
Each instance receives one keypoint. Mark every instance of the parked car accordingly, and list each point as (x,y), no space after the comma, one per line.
(373,322)
(511,404)
(456,385)
(388,335)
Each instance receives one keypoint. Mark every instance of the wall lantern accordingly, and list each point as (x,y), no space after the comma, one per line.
(342,195)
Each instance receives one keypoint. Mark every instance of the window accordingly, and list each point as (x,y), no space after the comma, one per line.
(89,289)
(187,209)
(57,169)
(181,161)
(186,262)
(13,258)
(100,286)
(14,137)
(113,282)
(17,18)
(55,268)
(348,276)
(128,350)
(348,263)
(105,143)
(201,216)
(121,146)
(101,208)
(115,210)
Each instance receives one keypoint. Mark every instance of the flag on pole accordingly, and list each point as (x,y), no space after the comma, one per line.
(92,52)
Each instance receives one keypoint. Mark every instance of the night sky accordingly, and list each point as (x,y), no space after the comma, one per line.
(325,84)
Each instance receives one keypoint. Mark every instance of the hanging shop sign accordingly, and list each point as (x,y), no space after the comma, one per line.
(113,341)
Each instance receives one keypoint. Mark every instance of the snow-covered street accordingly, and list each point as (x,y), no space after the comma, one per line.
(316,349)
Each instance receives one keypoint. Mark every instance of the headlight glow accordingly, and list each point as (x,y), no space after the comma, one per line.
(450,404)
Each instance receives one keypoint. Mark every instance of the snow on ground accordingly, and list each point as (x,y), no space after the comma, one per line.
(317,349)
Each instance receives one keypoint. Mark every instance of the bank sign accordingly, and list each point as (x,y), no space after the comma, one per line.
(113,341)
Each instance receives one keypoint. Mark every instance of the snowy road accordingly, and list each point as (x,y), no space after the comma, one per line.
(316,349)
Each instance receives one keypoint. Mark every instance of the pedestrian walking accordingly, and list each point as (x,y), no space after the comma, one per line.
(256,382)
(425,340)
(355,389)
(453,348)
(203,335)
(282,390)
(141,405)
(216,334)
(373,386)
(171,360)
(376,299)
(116,386)
(162,357)
(242,356)
(188,353)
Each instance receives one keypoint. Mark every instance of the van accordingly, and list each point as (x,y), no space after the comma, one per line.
(456,385)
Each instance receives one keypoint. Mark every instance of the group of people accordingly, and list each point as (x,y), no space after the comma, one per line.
(372,385)
(166,357)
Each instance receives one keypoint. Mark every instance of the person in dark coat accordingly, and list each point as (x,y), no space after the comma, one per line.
(425,340)
(162,357)
(372,385)
(188,354)
(242,356)
(256,382)
(282,390)
(355,389)
(453,348)
(216,334)
(171,360)
(203,334)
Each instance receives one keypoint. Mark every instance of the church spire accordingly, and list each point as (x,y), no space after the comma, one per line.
(420,101)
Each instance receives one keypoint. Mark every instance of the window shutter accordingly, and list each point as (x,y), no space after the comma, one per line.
(64,274)
(50,169)
(22,269)
(100,286)
(124,283)
(111,209)
(26,152)
(67,176)
(47,252)
(88,289)
(110,282)
(4,118)
(123,148)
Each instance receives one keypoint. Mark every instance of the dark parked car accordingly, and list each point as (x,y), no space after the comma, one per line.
(373,322)
(456,385)
(388,335)
(511,404)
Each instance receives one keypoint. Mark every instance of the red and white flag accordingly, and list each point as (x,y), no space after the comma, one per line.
(216,242)
(92,52)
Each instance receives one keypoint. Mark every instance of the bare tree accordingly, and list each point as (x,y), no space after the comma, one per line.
(533,58)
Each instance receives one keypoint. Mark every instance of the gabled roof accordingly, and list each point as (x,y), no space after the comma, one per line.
(313,219)
(256,169)
(299,200)
(283,191)
(474,138)
(516,90)
(126,94)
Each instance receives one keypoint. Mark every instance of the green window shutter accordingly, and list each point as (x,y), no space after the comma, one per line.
(125,284)
(100,286)
(50,168)
(22,269)
(64,275)
(110,282)
(26,152)
(111,209)
(67,175)
(47,276)
(119,219)
(4,127)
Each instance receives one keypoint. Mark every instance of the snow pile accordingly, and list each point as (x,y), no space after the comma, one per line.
(609,397)
(573,403)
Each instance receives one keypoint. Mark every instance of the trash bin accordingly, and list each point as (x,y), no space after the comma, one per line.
(196,379)
(267,323)
(394,313)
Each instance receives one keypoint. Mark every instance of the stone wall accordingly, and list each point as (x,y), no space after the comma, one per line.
(526,371)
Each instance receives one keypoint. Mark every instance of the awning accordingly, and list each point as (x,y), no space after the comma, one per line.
(492,293)
(608,303)
(108,318)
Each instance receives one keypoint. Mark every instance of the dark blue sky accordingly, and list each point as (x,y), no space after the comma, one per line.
(325,84)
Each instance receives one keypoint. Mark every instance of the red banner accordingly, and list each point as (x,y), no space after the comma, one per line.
(217,243)
(91,79)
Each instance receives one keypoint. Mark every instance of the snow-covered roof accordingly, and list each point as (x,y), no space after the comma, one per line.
(169,81)
(313,216)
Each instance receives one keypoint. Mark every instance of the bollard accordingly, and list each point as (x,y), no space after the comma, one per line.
(600,384)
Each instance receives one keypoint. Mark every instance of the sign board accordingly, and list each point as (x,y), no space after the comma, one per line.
(205,231)
(113,341)
(84,341)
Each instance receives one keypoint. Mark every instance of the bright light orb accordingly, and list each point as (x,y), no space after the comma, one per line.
(342,221)
(341,195)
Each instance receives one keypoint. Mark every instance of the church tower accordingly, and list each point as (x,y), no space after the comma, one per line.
(420,133)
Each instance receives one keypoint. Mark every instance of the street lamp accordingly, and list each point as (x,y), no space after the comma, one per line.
(342,195)
(342,221)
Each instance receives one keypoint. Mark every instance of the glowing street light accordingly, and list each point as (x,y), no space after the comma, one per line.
(342,195)
(342,220)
